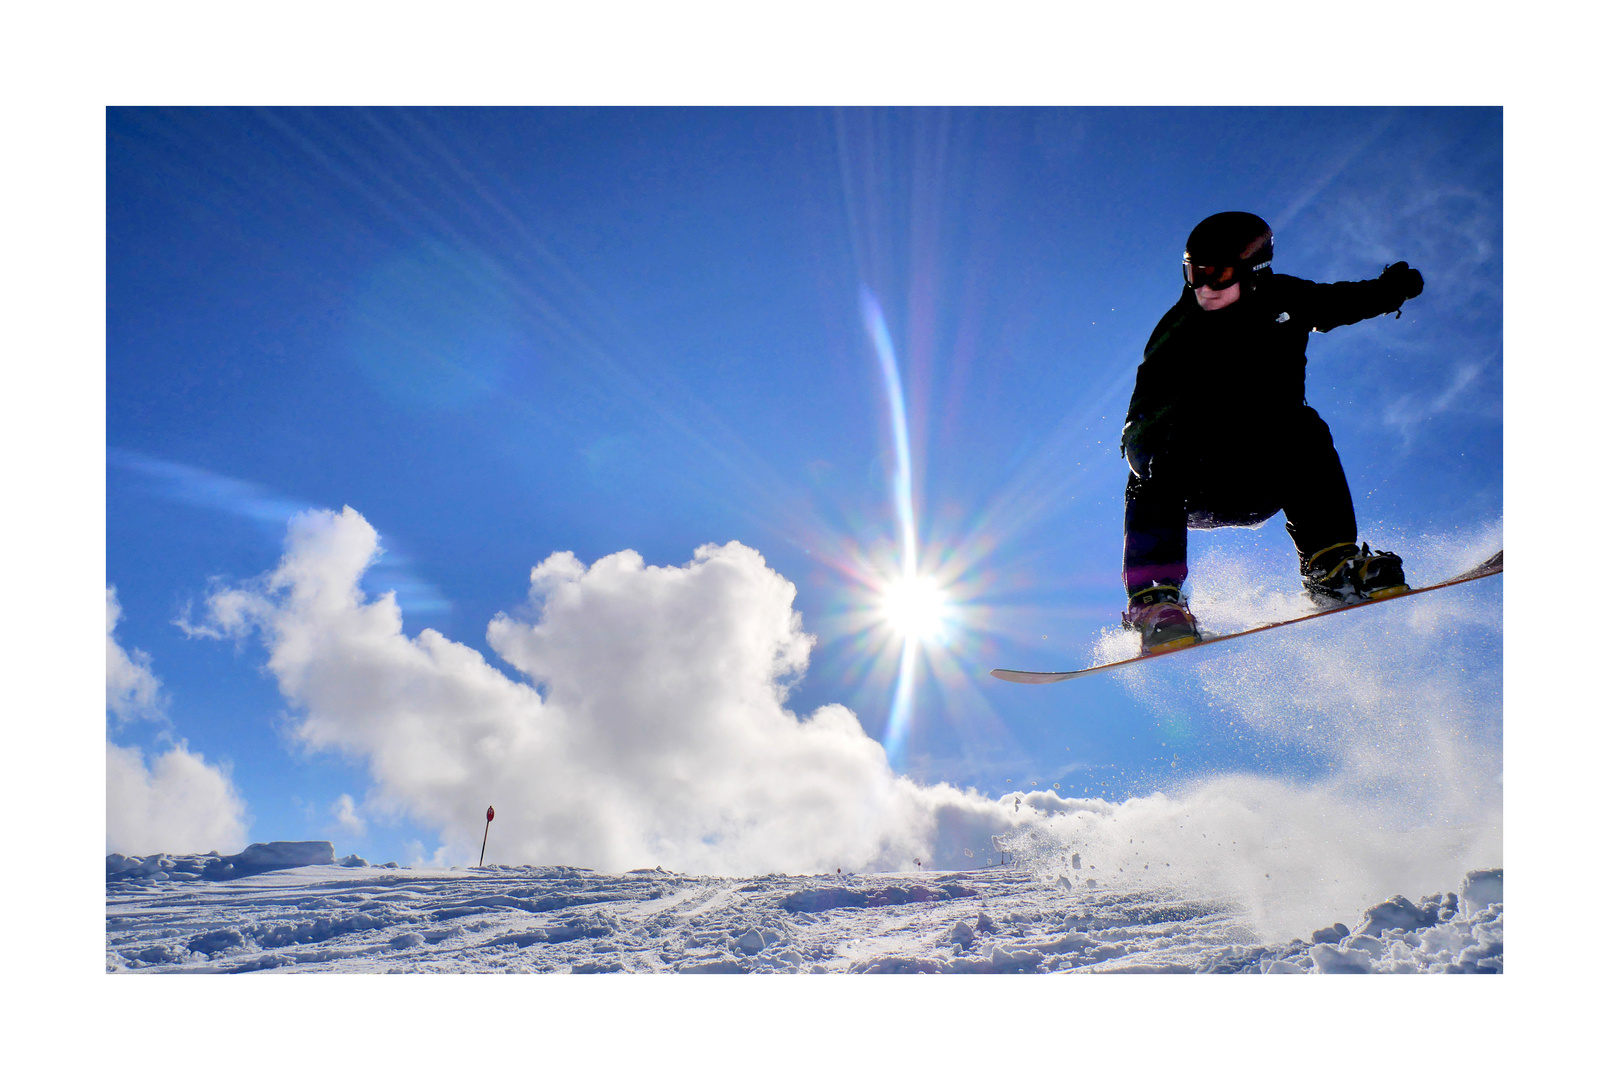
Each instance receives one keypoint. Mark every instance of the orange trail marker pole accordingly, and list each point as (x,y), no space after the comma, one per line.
(489,815)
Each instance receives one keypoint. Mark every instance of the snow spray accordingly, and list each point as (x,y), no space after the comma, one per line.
(1383,735)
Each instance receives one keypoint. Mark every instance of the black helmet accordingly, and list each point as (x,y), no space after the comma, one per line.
(1226,248)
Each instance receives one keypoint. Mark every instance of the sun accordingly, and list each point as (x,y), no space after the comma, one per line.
(915,607)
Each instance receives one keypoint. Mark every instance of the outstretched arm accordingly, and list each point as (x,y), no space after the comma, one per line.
(1345,302)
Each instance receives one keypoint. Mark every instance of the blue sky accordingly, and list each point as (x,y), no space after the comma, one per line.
(501,334)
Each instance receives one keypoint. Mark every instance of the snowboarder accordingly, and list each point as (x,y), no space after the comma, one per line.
(1219,433)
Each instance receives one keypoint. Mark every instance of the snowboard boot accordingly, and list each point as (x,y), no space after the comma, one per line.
(1347,574)
(1163,619)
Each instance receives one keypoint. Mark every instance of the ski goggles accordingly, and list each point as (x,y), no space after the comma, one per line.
(1198,276)
(1217,278)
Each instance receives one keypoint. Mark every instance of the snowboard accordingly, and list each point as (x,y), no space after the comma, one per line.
(1493,565)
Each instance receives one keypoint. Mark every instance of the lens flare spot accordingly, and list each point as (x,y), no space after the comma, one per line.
(915,607)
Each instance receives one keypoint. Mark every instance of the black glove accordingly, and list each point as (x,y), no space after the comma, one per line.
(1404,282)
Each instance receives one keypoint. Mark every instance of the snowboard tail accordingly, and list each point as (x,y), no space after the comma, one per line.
(1493,565)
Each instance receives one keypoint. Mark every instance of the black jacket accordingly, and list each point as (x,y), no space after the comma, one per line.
(1234,373)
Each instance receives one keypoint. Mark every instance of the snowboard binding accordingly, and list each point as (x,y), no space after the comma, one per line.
(1344,574)
(1163,619)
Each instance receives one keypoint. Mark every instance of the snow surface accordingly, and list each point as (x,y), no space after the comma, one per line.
(293,907)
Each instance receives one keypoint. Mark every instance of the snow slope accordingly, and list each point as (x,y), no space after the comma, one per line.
(292,907)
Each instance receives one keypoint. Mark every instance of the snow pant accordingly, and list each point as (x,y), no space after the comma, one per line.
(1231,481)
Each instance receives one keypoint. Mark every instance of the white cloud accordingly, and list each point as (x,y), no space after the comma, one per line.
(347,818)
(132,690)
(1409,412)
(179,804)
(659,734)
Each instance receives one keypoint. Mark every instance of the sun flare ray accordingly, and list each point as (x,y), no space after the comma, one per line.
(912,605)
